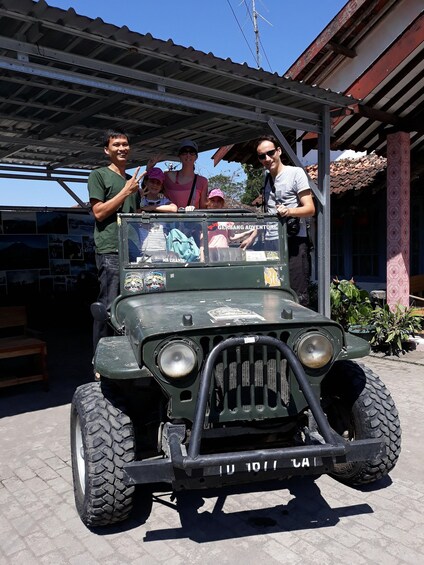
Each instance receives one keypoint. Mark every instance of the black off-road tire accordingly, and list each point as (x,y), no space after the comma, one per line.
(359,406)
(102,441)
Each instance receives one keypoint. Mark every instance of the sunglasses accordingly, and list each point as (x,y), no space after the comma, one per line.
(188,152)
(270,153)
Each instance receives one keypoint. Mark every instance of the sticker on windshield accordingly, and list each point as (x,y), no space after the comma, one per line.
(133,282)
(252,255)
(228,314)
(154,281)
(242,226)
(271,277)
(272,255)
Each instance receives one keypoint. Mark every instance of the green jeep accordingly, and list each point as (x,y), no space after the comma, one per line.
(216,375)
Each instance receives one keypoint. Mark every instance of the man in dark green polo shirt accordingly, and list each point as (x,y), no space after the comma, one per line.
(111,191)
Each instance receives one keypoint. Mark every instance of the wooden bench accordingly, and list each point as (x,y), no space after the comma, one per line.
(16,342)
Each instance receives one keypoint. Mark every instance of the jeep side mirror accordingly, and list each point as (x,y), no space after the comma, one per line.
(99,312)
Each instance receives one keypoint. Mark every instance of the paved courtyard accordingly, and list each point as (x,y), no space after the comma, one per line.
(297,521)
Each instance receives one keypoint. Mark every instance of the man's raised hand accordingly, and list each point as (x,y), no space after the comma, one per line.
(133,184)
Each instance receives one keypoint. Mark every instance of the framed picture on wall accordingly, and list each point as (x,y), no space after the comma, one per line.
(80,224)
(52,222)
(72,248)
(16,222)
(24,252)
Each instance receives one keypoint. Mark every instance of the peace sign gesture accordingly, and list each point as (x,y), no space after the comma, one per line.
(133,184)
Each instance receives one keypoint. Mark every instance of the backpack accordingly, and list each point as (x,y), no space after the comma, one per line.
(185,247)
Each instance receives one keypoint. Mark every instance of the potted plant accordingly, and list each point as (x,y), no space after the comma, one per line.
(352,307)
(393,328)
(387,330)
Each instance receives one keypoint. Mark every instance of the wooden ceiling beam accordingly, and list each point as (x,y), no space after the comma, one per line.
(389,60)
(342,50)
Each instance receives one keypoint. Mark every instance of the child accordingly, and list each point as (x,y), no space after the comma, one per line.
(152,198)
(216,237)
(216,199)
(221,237)
(152,238)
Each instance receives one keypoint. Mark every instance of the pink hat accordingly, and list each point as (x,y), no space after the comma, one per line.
(216,192)
(156,173)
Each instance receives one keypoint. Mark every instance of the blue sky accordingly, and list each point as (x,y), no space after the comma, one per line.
(207,25)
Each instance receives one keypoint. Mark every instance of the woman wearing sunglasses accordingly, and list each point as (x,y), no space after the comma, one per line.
(286,193)
(184,187)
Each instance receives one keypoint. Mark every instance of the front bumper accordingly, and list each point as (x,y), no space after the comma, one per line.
(193,470)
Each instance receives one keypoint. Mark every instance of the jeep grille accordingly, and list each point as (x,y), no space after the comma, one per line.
(249,382)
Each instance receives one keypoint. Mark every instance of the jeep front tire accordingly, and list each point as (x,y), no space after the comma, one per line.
(102,441)
(359,406)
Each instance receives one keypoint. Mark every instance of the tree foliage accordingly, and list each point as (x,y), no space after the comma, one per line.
(254,183)
(245,190)
(229,184)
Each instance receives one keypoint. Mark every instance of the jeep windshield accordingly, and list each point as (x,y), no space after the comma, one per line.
(199,238)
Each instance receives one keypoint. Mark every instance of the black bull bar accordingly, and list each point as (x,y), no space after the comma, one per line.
(258,464)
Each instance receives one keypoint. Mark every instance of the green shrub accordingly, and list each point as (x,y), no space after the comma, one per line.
(393,328)
(387,330)
(350,306)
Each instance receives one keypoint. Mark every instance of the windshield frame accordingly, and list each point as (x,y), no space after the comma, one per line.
(202,219)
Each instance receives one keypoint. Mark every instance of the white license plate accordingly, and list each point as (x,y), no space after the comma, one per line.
(266,466)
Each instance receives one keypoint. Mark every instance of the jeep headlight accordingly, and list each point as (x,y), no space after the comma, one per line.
(314,350)
(177,359)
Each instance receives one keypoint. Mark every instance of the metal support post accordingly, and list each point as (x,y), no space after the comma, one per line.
(324,217)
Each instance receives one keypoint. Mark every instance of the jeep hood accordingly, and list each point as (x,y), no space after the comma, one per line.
(148,315)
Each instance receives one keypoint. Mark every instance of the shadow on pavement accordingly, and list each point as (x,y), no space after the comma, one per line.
(306,510)
(378,485)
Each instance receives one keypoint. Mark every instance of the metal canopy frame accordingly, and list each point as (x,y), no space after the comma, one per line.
(67,78)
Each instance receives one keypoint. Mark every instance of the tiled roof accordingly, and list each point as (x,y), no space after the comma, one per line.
(353,174)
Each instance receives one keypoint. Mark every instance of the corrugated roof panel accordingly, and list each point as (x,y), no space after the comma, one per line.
(70,77)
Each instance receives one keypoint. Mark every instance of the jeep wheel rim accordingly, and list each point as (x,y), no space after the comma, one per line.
(79,451)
